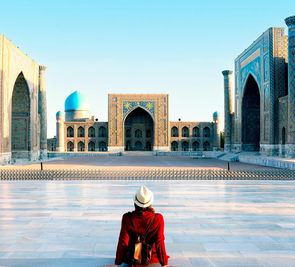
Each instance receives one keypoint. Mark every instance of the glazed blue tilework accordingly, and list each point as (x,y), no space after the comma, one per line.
(131,105)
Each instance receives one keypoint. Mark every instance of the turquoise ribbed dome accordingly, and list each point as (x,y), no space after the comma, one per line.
(76,101)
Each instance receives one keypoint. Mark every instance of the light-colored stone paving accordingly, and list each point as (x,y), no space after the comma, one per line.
(135,162)
(208,223)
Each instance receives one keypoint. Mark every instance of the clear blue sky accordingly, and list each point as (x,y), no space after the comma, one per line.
(177,47)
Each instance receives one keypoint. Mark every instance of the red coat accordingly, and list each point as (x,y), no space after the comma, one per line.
(140,222)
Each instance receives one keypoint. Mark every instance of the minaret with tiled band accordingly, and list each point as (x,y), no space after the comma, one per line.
(42,106)
(290,149)
(228,106)
(216,129)
(60,120)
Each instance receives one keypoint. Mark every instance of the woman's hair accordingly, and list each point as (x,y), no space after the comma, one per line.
(140,209)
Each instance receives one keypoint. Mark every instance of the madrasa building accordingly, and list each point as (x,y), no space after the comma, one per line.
(23,131)
(136,122)
(260,113)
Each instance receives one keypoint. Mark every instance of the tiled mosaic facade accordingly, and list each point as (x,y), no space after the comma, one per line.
(263,117)
(22,105)
(156,105)
(126,128)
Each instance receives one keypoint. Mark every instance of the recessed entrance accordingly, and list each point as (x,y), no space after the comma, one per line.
(20,119)
(251,116)
(139,131)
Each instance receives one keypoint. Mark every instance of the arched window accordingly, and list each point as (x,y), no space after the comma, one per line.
(91,146)
(174,146)
(91,132)
(283,136)
(206,132)
(81,132)
(196,146)
(102,132)
(185,132)
(174,131)
(128,133)
(102,146)
(206,146)
(81,146)
(138,133)
(148,133)
(70,146)
(196,132)
(185,146)
(70,132)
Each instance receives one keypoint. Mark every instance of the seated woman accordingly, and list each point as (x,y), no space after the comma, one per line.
(143,220)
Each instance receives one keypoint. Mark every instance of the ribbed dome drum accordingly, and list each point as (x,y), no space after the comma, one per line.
(76,107)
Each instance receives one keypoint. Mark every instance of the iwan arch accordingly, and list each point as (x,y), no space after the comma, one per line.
(22,105)
(260,113)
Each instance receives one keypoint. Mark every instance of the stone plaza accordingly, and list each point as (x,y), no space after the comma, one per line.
(75,221)
(208,223)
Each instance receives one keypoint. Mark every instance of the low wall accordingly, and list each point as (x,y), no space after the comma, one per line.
(268,161)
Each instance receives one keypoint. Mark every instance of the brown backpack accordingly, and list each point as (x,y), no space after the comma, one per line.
(139,251)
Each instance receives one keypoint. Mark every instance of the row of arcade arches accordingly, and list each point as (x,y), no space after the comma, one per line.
(195,132)
(102,132)
(185,146)
(91,146)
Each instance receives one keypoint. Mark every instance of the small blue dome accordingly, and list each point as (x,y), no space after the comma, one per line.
(215,115)
(76,101)
(59,114)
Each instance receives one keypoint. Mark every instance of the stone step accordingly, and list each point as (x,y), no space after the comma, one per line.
(138,153)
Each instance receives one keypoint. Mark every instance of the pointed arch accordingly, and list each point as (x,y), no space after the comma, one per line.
(251,115)
(20,118)
(70,146)
(70,131)
(91,131)
(139,130)
(81,131)
(185,131)
(174,131)
(174,146)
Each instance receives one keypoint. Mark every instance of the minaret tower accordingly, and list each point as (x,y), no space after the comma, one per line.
(290,148)
(60,138)
(42,107)
(216,129)
(228,109)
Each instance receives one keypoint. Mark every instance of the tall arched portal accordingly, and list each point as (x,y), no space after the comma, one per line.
(251,116)
(20,119)
(139,131)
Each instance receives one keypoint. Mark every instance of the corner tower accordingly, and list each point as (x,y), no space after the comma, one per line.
(228,109)
(290,148)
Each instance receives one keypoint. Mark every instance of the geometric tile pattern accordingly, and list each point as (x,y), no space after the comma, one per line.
(147,174)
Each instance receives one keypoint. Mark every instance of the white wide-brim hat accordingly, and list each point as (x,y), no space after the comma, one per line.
(143,197)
